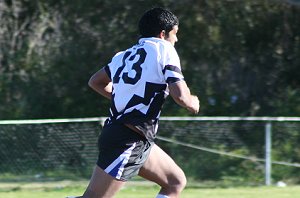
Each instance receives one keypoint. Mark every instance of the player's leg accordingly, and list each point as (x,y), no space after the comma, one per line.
(121,154)
(102,185)
(161,169)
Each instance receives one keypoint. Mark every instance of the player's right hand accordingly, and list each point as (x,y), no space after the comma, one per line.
(194,107)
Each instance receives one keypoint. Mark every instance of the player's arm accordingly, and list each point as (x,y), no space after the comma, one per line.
(101,83)
(182,96)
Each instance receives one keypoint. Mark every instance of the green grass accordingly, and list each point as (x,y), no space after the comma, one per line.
(139,190)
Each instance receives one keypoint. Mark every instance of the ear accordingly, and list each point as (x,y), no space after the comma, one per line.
(162,34)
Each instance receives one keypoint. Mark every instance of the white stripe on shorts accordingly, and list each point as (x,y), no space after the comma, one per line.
(121,161)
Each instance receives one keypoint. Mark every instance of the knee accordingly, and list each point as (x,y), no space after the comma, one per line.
(178,183)
(182,182)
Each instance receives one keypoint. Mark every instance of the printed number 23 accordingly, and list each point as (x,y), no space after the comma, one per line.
(136,66)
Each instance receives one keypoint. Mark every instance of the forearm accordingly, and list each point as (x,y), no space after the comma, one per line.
(188,101)
(183,97)
(185,101)
(101,83)
(102,89)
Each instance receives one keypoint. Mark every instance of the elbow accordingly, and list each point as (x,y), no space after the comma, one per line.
(91,82)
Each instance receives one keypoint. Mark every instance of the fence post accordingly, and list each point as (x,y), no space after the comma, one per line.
(268,163)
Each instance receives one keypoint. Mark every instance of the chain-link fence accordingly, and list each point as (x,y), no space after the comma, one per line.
(206,149)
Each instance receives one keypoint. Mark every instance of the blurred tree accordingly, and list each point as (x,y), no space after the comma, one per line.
(240,57)
(240,51)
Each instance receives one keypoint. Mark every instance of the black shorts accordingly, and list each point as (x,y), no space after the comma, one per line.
(122,151)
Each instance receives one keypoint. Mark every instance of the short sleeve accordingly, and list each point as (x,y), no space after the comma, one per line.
(171,66)
(106,69)
(111,68)
(172,74)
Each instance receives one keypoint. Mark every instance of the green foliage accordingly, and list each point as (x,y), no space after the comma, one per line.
(238,56)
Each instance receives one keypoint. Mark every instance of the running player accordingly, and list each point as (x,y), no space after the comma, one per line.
(137,82)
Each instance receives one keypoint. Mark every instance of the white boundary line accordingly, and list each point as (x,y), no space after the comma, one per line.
(163,118)
(230,118)
(46,121)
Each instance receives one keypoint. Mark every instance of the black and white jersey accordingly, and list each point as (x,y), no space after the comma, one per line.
(140,77)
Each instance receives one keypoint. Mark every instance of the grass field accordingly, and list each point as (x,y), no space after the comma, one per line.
(139,190)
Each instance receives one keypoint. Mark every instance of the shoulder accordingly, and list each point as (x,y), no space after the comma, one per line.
(164,48)
(168,49)
(156,42)
(118,55)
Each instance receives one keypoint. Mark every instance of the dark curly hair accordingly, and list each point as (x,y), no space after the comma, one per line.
(156,20)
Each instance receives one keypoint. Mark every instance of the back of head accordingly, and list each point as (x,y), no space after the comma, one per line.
(156,20)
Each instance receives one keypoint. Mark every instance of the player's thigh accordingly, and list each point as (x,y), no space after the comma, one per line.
(102,185)
(161,169)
